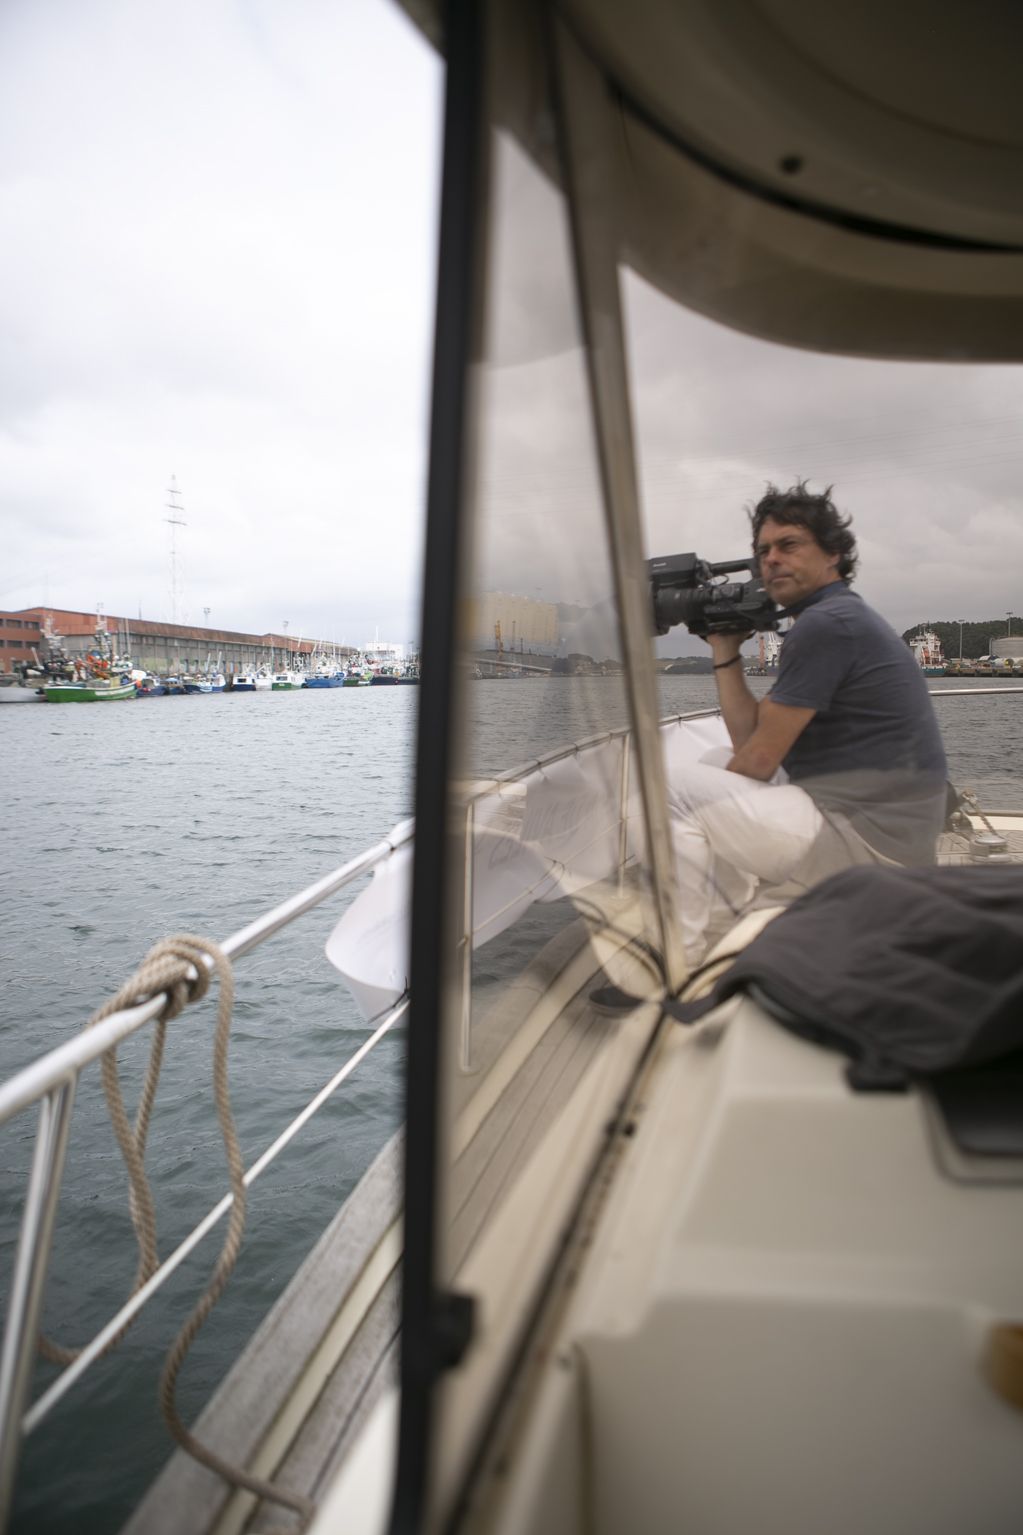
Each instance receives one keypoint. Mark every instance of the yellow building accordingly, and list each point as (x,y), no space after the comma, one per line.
(525,624)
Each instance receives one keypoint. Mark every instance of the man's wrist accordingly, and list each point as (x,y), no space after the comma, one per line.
(719,666)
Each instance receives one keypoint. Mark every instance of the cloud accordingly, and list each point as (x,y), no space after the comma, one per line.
(219,226)
(219,264)
(926,457)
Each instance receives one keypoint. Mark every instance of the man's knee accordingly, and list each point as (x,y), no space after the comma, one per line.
(766,836)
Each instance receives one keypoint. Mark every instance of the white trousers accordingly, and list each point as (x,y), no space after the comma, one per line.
(731,833)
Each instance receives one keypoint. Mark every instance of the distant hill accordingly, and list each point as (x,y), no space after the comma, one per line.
(685,666)
(977,634)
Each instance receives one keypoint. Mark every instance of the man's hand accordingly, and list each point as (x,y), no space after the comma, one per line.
(725,647)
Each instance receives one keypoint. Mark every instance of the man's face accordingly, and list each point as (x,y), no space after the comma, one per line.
(792,562)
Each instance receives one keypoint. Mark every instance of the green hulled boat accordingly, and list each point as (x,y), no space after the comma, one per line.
(288,681)
(96,690)
(98,677)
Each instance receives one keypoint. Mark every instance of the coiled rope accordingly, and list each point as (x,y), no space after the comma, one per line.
(178,967)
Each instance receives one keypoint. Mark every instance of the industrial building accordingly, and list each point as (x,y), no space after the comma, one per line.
(521,624)
(153,645)
(20,638)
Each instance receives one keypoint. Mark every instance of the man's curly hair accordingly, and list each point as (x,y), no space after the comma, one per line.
(818,514)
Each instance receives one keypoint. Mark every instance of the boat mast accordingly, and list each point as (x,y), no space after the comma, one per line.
(176,521)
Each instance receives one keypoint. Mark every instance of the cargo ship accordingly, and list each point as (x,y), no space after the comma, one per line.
(927,648)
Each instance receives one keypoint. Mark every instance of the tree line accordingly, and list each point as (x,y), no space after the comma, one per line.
(977,634)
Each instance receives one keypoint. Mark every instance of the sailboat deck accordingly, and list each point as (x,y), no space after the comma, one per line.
(953,848)
(328,1349)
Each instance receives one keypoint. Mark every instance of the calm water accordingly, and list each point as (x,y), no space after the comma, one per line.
(195,814)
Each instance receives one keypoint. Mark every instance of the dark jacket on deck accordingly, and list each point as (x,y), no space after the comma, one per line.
(908,971)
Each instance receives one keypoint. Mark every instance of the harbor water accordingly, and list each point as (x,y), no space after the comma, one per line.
(195,814)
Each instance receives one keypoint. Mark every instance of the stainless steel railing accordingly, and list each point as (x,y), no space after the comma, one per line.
(51,1083)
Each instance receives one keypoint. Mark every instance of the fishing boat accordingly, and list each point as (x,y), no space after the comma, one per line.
(619,1273)
(214,673)
(21,692)
(288,680)
(88,691)
(325,671)
(98,676)
(147,685)
(252,682)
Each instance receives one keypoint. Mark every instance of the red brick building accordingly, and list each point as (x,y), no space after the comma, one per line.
(19,636)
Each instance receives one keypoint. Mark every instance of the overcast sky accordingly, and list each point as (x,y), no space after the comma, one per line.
(218,225)
(218,236)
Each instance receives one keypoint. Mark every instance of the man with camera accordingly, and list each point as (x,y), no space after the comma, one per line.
(841,763)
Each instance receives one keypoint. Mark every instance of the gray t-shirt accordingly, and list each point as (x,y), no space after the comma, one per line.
(872,751)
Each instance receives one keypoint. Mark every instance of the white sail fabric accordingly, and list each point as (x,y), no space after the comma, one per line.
(370,943)
(547,835)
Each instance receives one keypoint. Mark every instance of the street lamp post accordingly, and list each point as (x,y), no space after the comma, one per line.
(1008,624)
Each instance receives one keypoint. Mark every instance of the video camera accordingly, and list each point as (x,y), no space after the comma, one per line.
(684,591)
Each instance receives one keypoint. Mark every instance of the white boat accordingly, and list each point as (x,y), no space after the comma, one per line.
(618,1274)
(926,647)
(252,682)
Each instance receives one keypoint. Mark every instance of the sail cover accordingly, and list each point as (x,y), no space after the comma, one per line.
(542,837)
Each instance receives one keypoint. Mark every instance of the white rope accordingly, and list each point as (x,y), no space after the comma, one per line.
(178,967)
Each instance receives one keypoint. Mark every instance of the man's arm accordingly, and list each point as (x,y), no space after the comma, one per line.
(738,706)
(762,733)
(778,727)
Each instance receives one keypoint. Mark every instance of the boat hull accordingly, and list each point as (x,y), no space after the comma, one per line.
(87,693)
